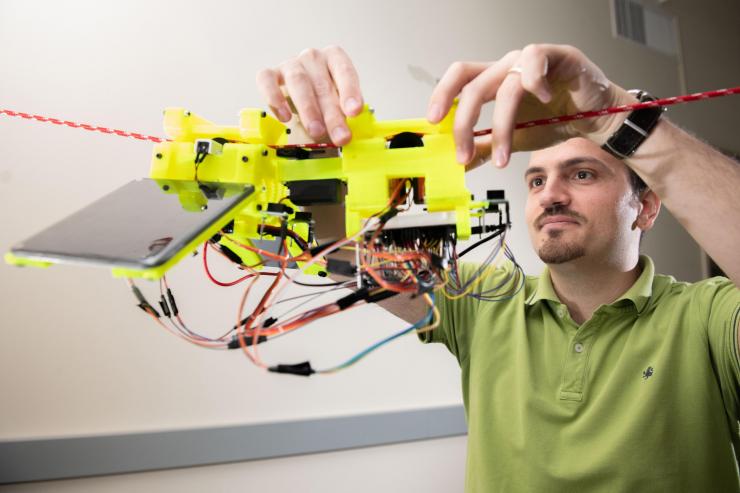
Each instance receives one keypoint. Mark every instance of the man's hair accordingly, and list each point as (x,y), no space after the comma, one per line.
(638,186)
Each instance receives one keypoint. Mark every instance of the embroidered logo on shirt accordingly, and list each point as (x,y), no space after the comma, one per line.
(648,373)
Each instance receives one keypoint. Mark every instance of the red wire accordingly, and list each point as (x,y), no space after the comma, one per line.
(213,279)
(532,123)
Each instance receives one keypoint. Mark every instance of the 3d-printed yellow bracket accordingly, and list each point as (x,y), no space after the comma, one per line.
(368,166)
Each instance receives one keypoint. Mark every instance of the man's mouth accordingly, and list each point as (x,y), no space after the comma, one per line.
(556,220)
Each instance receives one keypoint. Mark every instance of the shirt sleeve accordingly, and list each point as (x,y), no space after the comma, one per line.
(721,304)
(458,315)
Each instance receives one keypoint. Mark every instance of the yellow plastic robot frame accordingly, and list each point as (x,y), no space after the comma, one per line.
(367,165)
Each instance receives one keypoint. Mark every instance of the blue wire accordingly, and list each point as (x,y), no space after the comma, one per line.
(357,357)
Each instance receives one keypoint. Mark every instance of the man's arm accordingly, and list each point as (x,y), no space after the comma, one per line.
(700,186)
(697,183)
(405,306)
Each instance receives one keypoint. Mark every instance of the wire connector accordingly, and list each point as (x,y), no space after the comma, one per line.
(303,369)
(352,298)
(340,267)
(248,341)
(231,255)
(173,305)
(165,308)
(143,303)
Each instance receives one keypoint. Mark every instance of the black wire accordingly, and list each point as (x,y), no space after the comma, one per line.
(496,233)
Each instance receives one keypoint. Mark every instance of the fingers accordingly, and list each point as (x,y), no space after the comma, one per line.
(450,85)
(268,83)
(327,97)
(299,86)
(482,152)
(506,81)
(323,87)
(504,116)
(528,74)
(472,98)
(534,65)
(345,77)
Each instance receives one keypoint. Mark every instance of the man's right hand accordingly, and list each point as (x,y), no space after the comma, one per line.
(324,88)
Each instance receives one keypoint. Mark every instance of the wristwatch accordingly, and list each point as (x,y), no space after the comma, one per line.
(635,129)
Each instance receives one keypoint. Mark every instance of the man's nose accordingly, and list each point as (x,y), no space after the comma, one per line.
(554,193)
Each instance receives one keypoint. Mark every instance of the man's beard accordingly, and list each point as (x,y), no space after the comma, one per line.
(556,250)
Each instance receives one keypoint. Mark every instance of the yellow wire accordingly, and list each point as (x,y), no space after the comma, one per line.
(435,318)
(482,276)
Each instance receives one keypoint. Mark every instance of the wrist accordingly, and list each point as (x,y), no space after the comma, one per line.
(635,128)
(613,122)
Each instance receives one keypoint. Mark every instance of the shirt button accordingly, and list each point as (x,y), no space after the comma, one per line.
(578,347)
(561,312)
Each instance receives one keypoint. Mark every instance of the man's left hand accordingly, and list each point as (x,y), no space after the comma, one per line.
(539,81)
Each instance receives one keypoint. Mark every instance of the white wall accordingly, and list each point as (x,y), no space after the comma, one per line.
(78,358)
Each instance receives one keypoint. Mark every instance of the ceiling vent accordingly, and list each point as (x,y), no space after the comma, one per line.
(647,26)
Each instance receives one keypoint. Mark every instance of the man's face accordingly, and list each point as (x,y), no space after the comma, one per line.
(580,204)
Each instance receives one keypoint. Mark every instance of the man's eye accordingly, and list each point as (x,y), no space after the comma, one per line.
(584,175)
(536,182)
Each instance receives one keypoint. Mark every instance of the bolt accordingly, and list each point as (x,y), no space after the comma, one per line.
(264,153)
(159,155)
(287,131)
(259,207)
(166,187)
(245,159)
(263,114)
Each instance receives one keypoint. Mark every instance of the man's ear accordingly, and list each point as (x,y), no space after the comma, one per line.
(648,211)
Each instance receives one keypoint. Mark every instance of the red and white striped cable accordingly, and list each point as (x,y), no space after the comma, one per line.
(84,126)
(532,123)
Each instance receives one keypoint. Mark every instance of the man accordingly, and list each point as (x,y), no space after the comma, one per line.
(599,375)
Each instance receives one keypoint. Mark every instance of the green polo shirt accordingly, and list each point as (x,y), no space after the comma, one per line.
(641,397)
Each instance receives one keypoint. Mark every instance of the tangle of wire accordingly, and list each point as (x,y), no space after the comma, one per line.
(393,261)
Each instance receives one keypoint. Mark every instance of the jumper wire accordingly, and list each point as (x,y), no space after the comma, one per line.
(532,123)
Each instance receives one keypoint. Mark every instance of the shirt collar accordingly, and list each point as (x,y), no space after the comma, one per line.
(642,289)
(639,293)
(543,290)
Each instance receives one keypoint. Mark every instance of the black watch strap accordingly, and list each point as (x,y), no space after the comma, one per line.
(635,129)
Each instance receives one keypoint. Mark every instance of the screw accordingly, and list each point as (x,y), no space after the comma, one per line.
(287,131)
(259,207)
(187,113)
(166,187)
(159,155)
(263,114)
(245,159)
(264,153)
